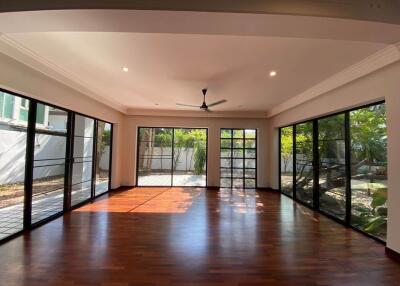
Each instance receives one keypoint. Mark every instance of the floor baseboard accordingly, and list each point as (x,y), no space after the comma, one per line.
(392,254)
(267,189)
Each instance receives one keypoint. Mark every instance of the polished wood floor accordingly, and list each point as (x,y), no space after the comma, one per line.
(194,237)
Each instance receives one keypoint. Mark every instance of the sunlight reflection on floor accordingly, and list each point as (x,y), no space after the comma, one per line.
(146,200)
(242,201)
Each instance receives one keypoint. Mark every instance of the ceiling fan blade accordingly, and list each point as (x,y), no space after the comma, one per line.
(217,102)
(188,105)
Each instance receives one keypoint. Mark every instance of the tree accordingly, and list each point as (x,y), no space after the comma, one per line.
(163,139)
(286,146)
(369,137)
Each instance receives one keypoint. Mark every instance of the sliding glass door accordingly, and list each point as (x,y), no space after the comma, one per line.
(332,166)
(47,157)
(304,162)
(172,157)
(103,157)
(369,186)
(49,163)
(154,157)
(347,153)
(13,140)
(286,160)
(190,157)
(82,159)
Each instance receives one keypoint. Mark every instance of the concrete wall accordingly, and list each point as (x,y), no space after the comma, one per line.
(382,84)
(128,165)
(17,77)
(182,163)
(12,155)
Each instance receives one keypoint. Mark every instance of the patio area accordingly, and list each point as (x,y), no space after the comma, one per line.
(43,206)
(177,180)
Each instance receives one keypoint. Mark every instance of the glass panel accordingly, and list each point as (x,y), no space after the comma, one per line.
(237,173)
(226,183)
(250,153)
(369,170)
(226,173)
(242,158)
(7,105)
(287,160)
(237,153)
(237,163)
(250,133)
(237,183)
(226,163)
(250,143)
(12,167)
(226,153)
(250,163)
(40,113)
(332,170)
(2,96)
(226,133)
(250,173)
(103,153)
(190,157)
(49,168)
(250,183)
(304,160)
(237,133)
(83,159)
(226,143)
(155,157)
(81,192)
(237,143)
(56,119)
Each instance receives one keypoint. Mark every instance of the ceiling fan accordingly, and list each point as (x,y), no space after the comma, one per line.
(204,106)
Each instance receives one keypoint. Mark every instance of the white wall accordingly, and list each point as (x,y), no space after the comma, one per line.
(382,84)
(17,77)
(182,164)
(128,165)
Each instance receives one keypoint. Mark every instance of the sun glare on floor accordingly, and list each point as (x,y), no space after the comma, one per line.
(146,200)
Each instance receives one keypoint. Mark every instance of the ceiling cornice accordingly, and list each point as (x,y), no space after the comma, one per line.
(380,59)
(38,63)
(198,23)
(387,11)
(186,113)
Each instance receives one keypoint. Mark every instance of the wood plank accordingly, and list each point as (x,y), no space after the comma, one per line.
(178,236)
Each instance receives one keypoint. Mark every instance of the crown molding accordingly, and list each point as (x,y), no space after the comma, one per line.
(372,63)
(22,54)
(187,113)
(373,10)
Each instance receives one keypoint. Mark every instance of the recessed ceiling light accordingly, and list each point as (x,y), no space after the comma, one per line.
(272,73)
(125,69)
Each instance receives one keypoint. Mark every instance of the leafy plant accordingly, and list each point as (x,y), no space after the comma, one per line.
(200,157)
(379,198)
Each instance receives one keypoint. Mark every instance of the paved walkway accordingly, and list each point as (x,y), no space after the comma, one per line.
(178,180)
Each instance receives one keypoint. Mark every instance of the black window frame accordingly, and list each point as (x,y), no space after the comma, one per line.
(347,220)
(29,163)
(231,148)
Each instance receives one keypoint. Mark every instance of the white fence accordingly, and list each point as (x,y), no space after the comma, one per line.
(185,161)
(12,155)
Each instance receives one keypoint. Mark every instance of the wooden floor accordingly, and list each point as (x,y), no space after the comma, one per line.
(194,237)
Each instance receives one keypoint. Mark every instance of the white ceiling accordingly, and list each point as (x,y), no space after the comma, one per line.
(165,67)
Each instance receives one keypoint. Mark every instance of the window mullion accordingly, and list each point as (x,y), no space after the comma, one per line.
(30,152)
